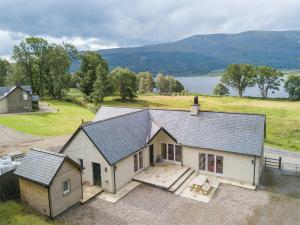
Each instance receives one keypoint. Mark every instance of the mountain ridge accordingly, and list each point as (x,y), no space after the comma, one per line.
(199,54)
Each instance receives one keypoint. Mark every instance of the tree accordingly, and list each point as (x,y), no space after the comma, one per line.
(16,75)
(163,83)
(5,68)
(57,65)
(267,79)
(175,85)
(239,77)
(87,73)
(292,87)
(221,90)
(124,82)
(103,85)
(145,82)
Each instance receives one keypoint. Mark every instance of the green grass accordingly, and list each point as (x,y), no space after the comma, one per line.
(68,117)
(14,213)
(283,116)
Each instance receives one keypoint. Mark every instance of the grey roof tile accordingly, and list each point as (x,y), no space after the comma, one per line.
(121,136)
(5,90)
(40,166)
(118,137)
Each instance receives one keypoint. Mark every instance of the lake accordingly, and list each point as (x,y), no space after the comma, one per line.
(206,85)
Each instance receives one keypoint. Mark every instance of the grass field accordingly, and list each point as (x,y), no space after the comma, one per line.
(283,116)
(64,121)
(13,213)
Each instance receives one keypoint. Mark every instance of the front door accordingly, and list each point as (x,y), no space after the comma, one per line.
(97,174)
(151,155)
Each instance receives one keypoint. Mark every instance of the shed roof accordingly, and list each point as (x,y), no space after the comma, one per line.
(40,166)
(7,89)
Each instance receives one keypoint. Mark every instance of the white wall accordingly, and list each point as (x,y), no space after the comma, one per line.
(161,137)
(125,168)
(3,105)
(81,147)
(237,167)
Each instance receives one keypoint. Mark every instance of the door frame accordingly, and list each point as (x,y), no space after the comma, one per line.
(93,163)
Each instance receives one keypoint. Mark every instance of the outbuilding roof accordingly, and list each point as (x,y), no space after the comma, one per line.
(118,132)
(7,89)
(41,166)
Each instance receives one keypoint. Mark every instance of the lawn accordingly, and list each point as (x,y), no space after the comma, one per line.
(283,116)
(67,118)
(14,213)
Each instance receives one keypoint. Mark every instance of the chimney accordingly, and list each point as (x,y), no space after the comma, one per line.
(195,107)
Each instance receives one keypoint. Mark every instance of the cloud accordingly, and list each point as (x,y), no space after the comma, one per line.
(102,23)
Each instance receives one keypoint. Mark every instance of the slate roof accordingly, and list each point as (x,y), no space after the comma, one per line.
(40,166)
(121,136)
(7,89)
(229,132)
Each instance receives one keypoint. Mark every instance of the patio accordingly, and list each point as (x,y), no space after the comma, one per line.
(89,192)
(163,175)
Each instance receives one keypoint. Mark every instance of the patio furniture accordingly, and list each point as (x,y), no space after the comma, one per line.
(204,189)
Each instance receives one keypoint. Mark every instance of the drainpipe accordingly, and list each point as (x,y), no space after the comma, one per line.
(254,164)
(115,189)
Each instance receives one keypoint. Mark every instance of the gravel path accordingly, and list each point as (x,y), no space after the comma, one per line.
(12,140)
(148,205)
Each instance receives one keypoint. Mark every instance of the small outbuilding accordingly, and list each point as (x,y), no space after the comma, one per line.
(49,182)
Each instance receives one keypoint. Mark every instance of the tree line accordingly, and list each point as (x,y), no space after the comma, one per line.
(45,66)
(241,76)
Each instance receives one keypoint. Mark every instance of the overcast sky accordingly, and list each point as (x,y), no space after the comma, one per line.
(96,24)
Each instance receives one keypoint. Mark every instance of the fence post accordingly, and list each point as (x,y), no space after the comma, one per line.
(279,163)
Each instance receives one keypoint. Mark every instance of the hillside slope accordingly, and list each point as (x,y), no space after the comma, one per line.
(201,54)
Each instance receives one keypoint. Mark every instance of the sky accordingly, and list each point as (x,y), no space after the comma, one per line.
(98,24)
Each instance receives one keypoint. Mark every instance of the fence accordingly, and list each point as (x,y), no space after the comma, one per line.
(9,186)
(289,169)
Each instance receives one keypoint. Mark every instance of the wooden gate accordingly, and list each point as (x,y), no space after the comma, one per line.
(273,162)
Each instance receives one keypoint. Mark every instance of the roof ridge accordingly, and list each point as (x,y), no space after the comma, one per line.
(47,152)
(98,121)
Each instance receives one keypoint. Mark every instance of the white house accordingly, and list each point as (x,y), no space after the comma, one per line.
(121,142)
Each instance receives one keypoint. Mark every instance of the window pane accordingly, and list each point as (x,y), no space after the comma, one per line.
(211,163)
(219,166)
(178,153)
(164,151)
(135,159)
(202,161)
(170,152)
(141,160)
(66,186)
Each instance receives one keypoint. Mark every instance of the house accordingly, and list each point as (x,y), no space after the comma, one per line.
(15,99)
(49,182)
(121,142)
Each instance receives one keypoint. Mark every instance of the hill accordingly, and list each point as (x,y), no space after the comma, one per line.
(201,54)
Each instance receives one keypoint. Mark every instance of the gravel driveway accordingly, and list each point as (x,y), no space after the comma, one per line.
(277,203)
(12,140)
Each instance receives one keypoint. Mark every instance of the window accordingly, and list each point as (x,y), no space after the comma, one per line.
(66,186)
(141,161)
(164,151)
(219,166)
(211,163)
(26,105)
(178,153)
(202,161)
(25,96)
(80,161)
(170,152)
(135,159)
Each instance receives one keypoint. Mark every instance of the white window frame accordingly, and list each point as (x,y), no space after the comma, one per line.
(167,152)
(206,164)
(138,161)
(69,187)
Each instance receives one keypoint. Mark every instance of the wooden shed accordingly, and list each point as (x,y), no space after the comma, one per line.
(49,182)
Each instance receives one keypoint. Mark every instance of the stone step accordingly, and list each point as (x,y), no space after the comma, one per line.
(181,180)
(185,183)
